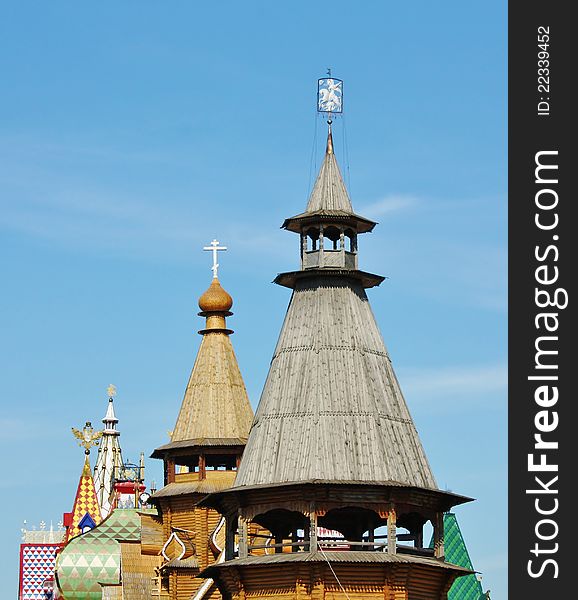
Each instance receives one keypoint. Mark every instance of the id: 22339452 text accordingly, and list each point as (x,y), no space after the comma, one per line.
(543,71)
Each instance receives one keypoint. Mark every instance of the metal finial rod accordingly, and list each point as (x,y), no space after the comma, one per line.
(214,248)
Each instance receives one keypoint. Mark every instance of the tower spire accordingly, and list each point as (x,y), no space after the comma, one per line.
(333,448)
(86,510)
(109,459)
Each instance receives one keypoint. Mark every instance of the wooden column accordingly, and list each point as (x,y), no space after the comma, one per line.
(243,537)
(312,530)
(202,467)
(391,532)
(230,530)
(419,537)
(169,471)
(438,534)
(321,245)
(294,540)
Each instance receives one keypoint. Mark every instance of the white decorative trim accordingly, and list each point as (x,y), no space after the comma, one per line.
(175,537)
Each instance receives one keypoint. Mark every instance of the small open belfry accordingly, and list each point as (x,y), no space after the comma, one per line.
(334,471)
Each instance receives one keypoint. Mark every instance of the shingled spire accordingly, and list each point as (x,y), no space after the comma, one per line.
(332,408)
(329,192)
(333,460)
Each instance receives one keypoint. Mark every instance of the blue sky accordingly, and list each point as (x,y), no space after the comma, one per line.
(135,132)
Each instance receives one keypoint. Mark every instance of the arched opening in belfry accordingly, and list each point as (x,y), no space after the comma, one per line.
(409,531)
(286,531)
(331,238)
(350,241)
(352,527)
(312,236)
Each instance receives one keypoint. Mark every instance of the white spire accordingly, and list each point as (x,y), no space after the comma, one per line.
(109,458)
(110,419)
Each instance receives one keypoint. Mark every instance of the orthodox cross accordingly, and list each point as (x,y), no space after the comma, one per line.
(214,248)
(111,390)
(87,437)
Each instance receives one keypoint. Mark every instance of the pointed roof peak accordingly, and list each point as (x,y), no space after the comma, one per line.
(329,146)
(329,192)
(110,416)
(85,501)
(86,471)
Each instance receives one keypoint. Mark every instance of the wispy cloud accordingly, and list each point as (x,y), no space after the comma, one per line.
(461,387)
(389,204)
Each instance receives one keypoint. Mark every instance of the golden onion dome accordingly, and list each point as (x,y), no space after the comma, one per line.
(215,299)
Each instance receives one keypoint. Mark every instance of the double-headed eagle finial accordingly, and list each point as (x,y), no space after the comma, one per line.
(87,438)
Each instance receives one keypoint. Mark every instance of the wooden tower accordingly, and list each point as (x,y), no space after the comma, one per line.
(334,468)
(202,457)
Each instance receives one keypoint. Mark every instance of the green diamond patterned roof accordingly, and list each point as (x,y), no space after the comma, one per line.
(464,588)
(93,557)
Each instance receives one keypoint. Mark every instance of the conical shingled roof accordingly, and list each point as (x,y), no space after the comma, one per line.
(215,405)
(332,409)
(329,192)
(329,198)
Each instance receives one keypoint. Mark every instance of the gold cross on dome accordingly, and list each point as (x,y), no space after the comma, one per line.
(214,248)
(111,390)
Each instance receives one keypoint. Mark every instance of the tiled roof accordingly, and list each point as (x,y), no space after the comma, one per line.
(95,556)
(456,552)
(85,502)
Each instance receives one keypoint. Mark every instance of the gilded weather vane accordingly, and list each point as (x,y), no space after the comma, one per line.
(87,438)
(214,248)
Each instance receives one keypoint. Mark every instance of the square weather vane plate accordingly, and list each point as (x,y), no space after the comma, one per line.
(330,95)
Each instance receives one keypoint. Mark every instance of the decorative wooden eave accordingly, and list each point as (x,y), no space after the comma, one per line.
(201,487)
(367,280)
(299,222)
(356,557)
(326,494)
(198,444)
